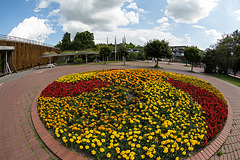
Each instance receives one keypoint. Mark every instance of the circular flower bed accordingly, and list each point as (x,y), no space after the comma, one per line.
(133,114)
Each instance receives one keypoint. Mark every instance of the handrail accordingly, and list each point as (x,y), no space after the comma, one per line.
(18,39)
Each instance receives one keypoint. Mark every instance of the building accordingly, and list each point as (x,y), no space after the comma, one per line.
(178,53)
(18,53)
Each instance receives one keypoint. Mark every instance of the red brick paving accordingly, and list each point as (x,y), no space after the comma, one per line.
(18,136)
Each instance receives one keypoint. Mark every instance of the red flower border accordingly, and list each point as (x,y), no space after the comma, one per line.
(216,110)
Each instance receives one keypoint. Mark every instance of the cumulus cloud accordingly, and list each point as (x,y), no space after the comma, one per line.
(213,34)
(162,20)
(197,26)
(33,28)
(42,4)
(96,15)
(189,11)
(164,25)
(53,12)
(132,17)
(237,12)
(132,5)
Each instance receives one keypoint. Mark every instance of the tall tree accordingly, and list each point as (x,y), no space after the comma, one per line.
(122,52)
(192,55)
(157,49)
(65,44)
(210,61)
(105,52)
(83,40)
(235,51)
(224,50)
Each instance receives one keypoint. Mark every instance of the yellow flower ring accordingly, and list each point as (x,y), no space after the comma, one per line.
(130,114)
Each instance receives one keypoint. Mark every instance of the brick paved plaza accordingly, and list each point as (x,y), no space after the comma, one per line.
(19,139)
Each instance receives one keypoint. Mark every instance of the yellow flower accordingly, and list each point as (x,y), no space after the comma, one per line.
(138,145)
(102,149)
(142,156)
(108,155)
(93,152)
(165,150)
(93,145)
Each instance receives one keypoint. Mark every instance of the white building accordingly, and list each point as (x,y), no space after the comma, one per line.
(178,53)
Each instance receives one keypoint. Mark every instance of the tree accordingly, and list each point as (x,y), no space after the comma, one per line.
(157,49)
(169,56)
(210,61)
(132,56)
(104,52)
(223,58)
(122,52)
(235,51)
(65,43)
(192,55)
(83,40)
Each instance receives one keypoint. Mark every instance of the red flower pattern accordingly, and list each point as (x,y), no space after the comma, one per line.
(215,109)
(64,89)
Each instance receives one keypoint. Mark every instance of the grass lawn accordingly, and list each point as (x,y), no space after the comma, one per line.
(227,78)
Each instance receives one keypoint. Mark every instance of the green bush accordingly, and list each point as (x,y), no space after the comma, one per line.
(60,60)
(78,59)
(132,56)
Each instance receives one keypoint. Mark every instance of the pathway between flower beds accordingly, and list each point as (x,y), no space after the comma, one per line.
(18,136)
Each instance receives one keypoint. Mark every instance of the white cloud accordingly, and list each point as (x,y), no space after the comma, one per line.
(94,14)
(197,26)
(164,25)
(237,12)
(162,20)
(132,17)
(132,5)
(213,34)
(189,11)
(42,4)
(54,12)
(33,28)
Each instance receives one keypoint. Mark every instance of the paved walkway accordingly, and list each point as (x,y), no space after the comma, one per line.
(18,136)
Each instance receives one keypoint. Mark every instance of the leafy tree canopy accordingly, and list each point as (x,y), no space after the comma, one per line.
(192,55)
(158,49)
(104,52)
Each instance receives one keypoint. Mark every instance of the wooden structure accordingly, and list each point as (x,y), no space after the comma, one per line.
(23,53)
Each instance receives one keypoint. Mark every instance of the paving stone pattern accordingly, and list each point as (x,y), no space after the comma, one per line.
(19,139)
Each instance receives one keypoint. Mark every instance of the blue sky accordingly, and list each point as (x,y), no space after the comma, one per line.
(185,22)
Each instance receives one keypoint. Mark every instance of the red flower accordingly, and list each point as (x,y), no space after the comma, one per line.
(215,109)
(64,89)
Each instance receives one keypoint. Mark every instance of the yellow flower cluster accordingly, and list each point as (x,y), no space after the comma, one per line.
(139,116)
(197,82)
(76,77)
